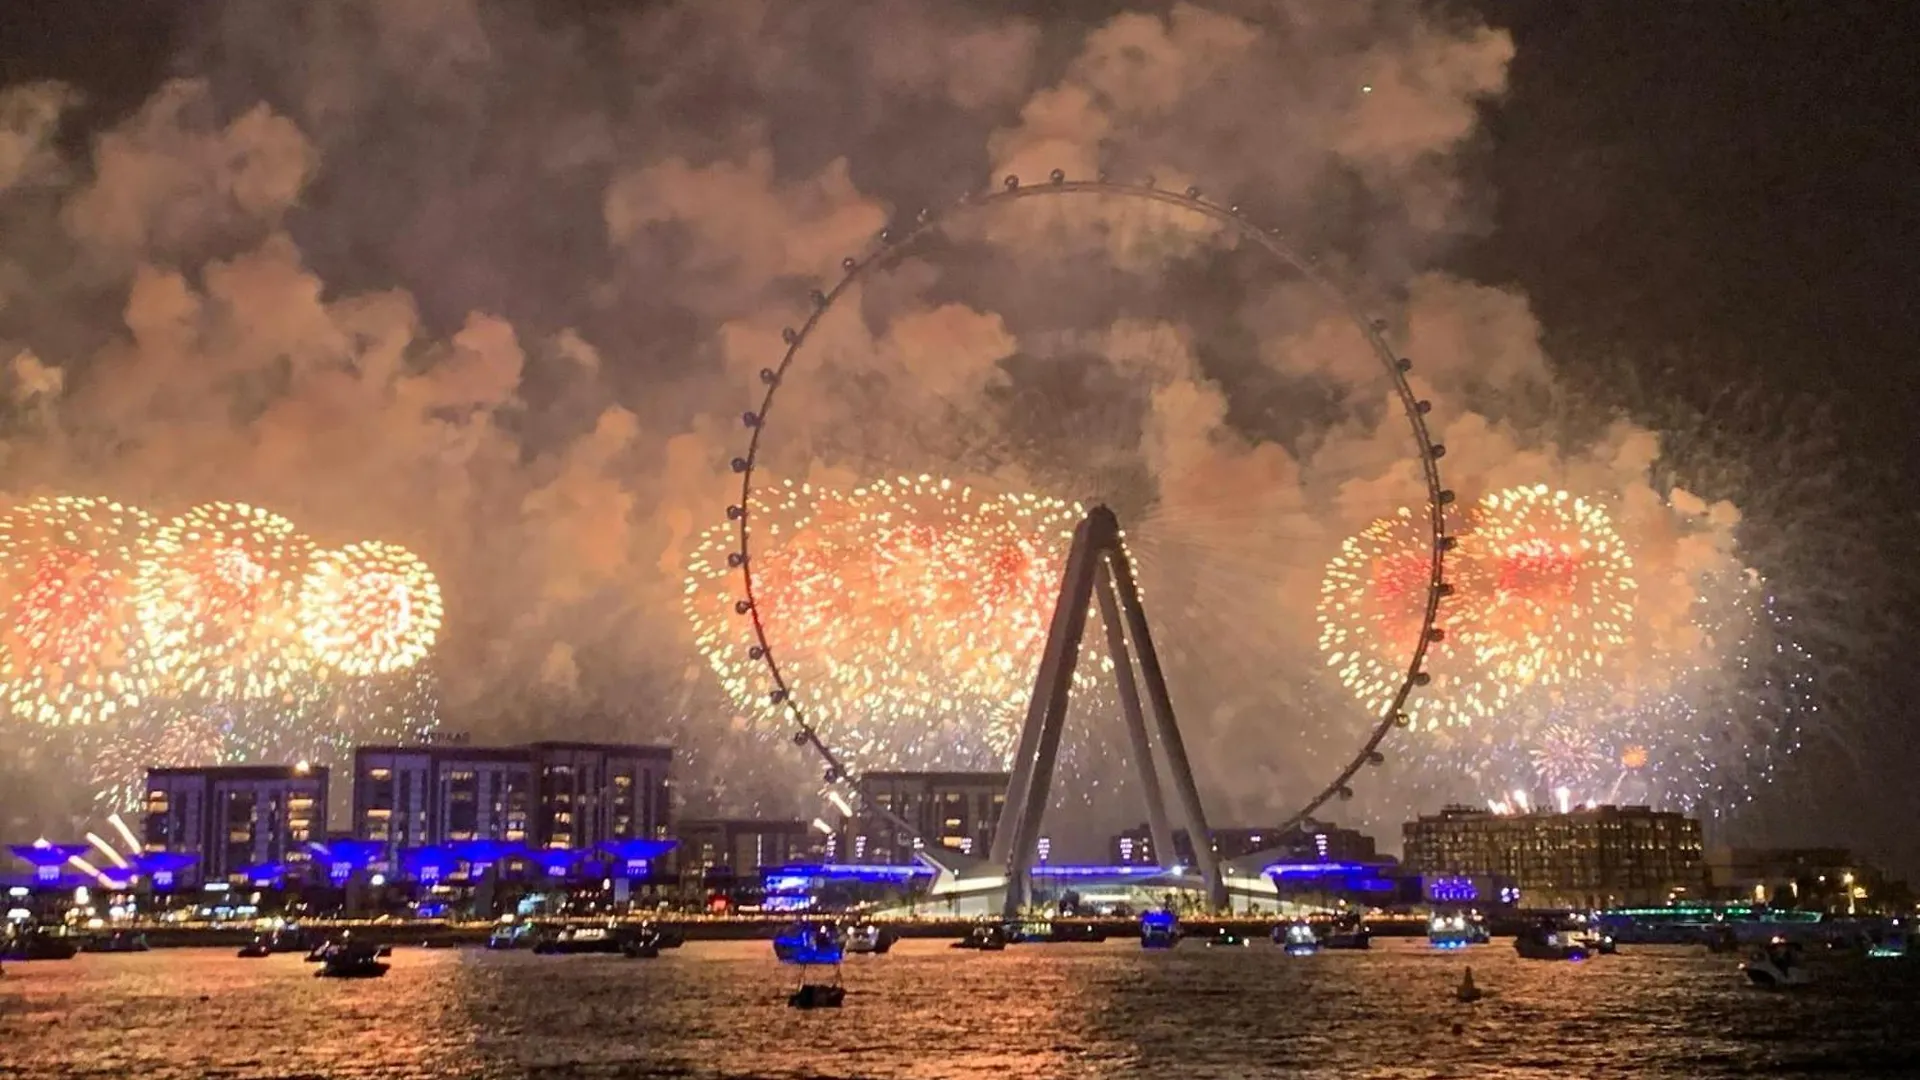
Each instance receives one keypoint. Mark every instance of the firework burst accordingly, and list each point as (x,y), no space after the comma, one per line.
(1373,601)
(369,609)
(70,652)
(909,614)
(217,596)
(1549,586)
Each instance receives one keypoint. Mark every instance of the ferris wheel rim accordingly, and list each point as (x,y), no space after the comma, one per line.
(890,245)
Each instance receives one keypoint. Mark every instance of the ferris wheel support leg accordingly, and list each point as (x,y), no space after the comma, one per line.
(1047,709)
(1143,763)
(1185,790)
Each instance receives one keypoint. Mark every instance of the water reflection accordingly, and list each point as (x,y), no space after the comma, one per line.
(717,1009)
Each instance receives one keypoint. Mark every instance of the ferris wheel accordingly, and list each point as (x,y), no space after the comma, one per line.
(1028,353)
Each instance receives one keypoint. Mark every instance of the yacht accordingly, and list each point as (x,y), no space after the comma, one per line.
(1454,931)
(1777,966)
(871,938)
(1540,943)
(1298,939)
(988,937)
(355,961)
(1347,932)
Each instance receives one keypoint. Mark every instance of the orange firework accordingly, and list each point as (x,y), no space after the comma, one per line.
(216,596)
(69,649)
(369,609)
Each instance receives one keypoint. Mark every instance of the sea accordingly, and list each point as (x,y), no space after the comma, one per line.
(1109,1010)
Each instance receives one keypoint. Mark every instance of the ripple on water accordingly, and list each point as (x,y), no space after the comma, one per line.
(717,1009)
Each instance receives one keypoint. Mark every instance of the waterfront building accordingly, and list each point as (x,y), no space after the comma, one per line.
(1312,842)
(1808,879)
(547,795)
(1605,856)
(238,822)
(955,810)
(743,847)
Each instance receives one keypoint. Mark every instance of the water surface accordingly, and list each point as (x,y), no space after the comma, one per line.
(718,1009)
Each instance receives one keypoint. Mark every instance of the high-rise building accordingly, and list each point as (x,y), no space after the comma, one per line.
(1599,857)
(237,820)
(1309,843)
(956,810)
(562,795)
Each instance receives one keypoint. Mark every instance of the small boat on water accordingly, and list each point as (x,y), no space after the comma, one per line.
(1891,945)
(574,940)
(1777,966)
(986,937)
(1540,943)
(871,938)
(34,944)
(1298,939)
(1225,938)
(1159,930)
(1453,931)
(256,949)
(1347,932)
(808,943)
(357,961)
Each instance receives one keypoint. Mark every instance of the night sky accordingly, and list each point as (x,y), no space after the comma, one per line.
(1720,194)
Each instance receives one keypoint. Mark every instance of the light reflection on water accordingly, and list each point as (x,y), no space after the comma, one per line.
(718,1009)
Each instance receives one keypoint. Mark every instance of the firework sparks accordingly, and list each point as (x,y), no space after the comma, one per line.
(1548,584)
(216,593)
(369,609)
(1373,601)
(69,650)
(909,614)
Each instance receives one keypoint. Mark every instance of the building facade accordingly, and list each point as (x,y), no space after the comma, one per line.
(955,810)
(1307,844)
(1807,879)
(237,820)
(554,795)
(742,847)
(1607,856)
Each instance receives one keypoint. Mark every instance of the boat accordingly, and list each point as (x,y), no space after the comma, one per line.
(509,936)
(1540,943)
(1891,945)
(1450,931)
(872,939)
(289,939)
(1159,930)
(1598,944)
(1777,966)
(644,945)
(318,953)
(987,937)
(255,949)
(120,941)
(352,962)
(1347,932)
(38,945)
(810,943)
(1477,932)
(1224,937)
(1298,939)
(575,940)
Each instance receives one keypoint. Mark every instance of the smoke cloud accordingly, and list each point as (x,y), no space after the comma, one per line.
(495,285)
